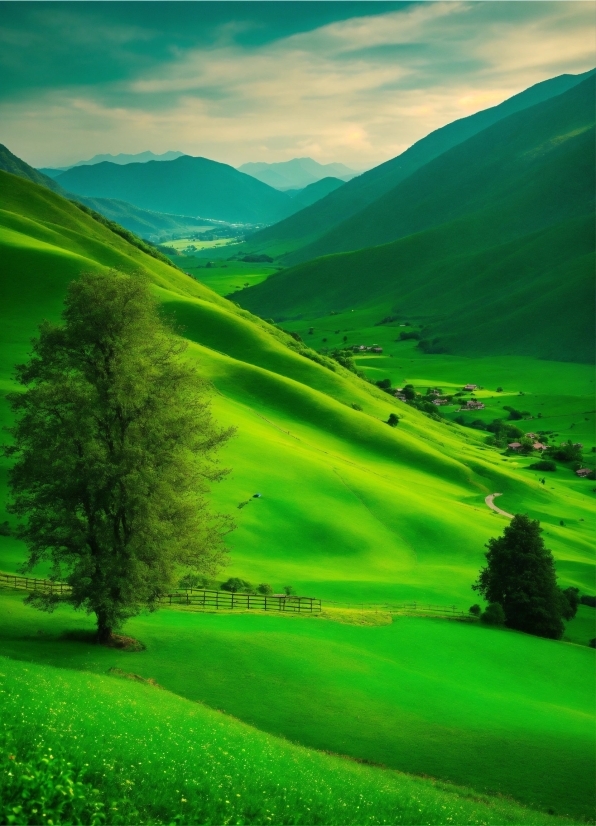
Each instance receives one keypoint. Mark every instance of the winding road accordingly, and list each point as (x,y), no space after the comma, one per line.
(491,504)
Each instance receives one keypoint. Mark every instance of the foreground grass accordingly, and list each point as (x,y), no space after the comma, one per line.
(502,712)
(82,748)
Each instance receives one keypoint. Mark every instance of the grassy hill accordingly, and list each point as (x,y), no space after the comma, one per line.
(185,186)
(351,510)
(301,230)
(314,192)
(165,759)
(507,238)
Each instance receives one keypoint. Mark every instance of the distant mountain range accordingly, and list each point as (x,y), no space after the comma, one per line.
(303,235)
(121,158)
(185,186)
(491,242)
(297,173)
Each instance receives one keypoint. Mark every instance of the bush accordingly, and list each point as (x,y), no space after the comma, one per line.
(384,384)
(475,610)
(566,452)
(193,581)
(543,464)
(493,615)
(289,590)
(406,336)
(409,392)
(264,588)
(592,643)
(393,420)
(585,599)
(234,584)
(5,528)
(569,602)
(355,406)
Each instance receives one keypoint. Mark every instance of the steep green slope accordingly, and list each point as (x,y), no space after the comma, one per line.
(505,239)
(477,303)
(302,229)
(11,163)
(527,171)
(330,475)
(185,186)
(163,759)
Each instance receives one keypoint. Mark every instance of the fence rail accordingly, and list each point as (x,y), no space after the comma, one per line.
(226,600)
(220,600)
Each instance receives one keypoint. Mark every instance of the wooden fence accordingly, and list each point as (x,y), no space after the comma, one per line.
(220,600)
(410,608)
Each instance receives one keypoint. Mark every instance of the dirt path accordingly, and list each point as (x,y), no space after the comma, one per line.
(491,504)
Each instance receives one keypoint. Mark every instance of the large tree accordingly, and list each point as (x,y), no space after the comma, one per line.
(114,447)
(520,575)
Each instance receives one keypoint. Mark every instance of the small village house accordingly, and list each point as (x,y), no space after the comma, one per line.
(583,472)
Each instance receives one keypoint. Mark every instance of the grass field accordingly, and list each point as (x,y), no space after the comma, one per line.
(144,755)
(495,710)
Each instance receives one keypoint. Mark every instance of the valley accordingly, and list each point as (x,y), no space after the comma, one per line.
(467,260)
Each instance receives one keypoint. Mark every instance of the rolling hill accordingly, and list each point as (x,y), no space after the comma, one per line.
(314,192)
(506,239)
(297,173)
(289,237)
(350,510)
(185,186)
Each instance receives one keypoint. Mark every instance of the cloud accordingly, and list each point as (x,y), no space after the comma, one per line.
(355,90)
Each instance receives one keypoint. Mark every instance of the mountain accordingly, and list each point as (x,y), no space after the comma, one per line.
(297,173)
(123,158)
(185,186)
(314,192)
(498,258)
(11,163)
(297,232)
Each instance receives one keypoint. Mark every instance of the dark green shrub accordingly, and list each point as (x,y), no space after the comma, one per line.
(493,615)
(193,581)
(592,643)
(569,602)
(406,336)
(289,590)
(566,452)
(543,464)
(475,610)
(384,384)
(409,392)
(234,584)
(5,528)
(393,420)
(585,599)
(264,588)
(355,406)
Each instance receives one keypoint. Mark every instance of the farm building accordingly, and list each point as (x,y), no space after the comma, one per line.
(539,446)
(440,402)
(472,405)
(470,386)
(514,446)
(583,472)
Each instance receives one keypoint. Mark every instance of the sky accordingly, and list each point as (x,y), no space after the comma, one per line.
(349,82)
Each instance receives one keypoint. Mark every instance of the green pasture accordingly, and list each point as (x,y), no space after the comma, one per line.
(149,756)
(503,712)
(222,276)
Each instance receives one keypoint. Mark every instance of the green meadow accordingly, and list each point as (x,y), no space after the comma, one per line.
(491,709)
(351,510)
(140,754)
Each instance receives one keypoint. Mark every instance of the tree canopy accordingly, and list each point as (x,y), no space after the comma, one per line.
(520,576)
(114,447)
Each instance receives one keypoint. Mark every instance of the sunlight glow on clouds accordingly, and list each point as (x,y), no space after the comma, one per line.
(357,90)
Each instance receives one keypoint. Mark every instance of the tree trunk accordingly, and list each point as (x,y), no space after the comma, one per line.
(104,629)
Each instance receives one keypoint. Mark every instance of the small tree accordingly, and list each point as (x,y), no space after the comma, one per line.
(493,615)
(475,610)
(114,446)
(520,576)
(393,420)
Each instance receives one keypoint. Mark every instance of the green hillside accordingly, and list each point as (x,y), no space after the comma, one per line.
(506,239)
(164,759)
(185,186)
(527,171)
(310,224)
(351,510)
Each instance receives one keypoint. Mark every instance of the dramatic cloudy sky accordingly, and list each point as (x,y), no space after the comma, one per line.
(351,82)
